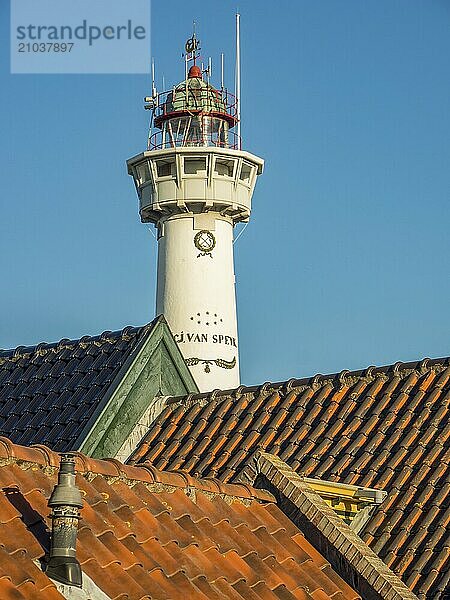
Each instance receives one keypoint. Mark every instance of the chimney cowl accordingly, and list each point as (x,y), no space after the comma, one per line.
(66,493)
(65,503)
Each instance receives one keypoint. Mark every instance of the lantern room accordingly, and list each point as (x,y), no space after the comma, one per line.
(193,113)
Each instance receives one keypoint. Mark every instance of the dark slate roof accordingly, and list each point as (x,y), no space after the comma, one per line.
(385,428)
(49,392)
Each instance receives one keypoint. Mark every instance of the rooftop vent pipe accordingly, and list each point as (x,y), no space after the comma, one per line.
(65,503)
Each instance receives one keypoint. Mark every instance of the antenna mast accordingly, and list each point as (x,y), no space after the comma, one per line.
(238,78)
(209,68)
(153,79)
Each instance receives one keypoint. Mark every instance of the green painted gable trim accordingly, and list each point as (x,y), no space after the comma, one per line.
(157,369)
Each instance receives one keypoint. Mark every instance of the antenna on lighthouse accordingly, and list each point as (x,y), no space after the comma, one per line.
(238,78)
(154,93)
(221,71)
(151,101)
(209,69)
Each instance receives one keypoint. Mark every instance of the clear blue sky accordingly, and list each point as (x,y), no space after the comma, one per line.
(345,262)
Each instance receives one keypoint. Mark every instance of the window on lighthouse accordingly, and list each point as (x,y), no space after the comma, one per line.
(143,173)
(224,167)
(165,168)
(194,134)
(195,166)
(246,171)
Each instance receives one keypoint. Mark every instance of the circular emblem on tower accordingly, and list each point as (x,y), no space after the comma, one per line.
(204,241)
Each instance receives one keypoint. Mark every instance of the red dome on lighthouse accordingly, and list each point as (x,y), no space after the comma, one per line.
(195,71)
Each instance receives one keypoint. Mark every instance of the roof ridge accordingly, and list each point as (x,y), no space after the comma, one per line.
(42,348)
(344,377)
(113,469)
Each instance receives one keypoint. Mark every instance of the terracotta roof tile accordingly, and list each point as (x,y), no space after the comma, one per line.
(149,534)
(385,427)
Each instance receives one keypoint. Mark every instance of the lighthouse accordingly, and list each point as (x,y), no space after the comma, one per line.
(195,183)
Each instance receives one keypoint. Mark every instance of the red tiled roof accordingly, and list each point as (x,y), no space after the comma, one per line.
(386,428)
(151,534)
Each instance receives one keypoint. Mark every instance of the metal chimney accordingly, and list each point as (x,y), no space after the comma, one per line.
(65,503)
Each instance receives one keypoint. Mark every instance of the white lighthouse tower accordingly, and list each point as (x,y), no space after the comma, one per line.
(194,182)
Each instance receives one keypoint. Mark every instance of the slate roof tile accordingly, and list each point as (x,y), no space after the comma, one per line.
(39,383)
(147,534)
(385,427)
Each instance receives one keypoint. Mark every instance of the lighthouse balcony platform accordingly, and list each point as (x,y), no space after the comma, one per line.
(195,179)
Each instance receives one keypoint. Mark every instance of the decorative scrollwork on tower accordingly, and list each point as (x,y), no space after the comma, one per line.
(219,362)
